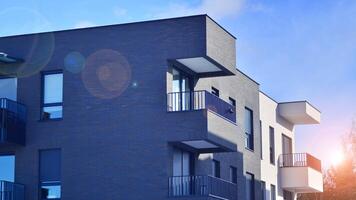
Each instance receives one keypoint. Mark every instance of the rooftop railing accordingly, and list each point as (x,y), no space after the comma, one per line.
(299,160)
(180,186)
(198,100)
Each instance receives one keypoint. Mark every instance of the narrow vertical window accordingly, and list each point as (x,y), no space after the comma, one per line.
(50,174)
(216,168)
(273,192)
(271,146)
(250,186)
(261,140)
(52,95)
(263,190)
(249,129)
(215,91)
(233,174)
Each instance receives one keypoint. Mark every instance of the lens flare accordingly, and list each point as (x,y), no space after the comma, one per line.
(337,157)
(107,74)
(74,62)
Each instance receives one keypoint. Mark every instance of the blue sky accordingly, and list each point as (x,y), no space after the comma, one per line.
(296,50)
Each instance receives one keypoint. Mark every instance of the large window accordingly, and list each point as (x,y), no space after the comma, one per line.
(249,129)
(216,168)
(50,174)
(233,174)
(7,168)
(52,98)
(271,146)
(8,88)
(273,192)
(250,186)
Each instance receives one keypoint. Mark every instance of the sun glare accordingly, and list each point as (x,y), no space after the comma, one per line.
(337,157)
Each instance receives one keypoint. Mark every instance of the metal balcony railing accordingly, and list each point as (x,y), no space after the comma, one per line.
(12,122)
(202,186)
(198,100)
(11,191)
(299,160)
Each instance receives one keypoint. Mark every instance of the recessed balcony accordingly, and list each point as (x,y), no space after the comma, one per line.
(301,173)
(201,186)
(203,122)
(12,122)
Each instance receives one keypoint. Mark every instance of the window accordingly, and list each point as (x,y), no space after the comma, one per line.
(287,195)
(7,172)
(8,88)
(271,146)
(250,186)
(232,101)
(249,129)
(215,91)
(216,168)
(273,192)
(50,174)
(261,141)
(233,174)
(52,95)
(263,190)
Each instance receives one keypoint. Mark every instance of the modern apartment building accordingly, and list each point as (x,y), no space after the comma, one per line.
(146,110)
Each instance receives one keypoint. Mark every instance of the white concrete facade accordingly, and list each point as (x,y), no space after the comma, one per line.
(282,117)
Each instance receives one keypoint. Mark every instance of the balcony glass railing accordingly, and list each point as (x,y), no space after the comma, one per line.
(198,100)
(12,122)
(180,186)
(299,160)
(11,191)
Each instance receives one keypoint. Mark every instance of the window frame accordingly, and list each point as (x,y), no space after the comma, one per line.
(215,91)
(233,174)
(232,101)
(46,105)
(249,138)
(273,192)
(253,184)
(272,147)
(216,168)
(48,183)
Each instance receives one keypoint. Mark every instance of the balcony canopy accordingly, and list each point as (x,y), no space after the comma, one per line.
(6,59)
(299,112)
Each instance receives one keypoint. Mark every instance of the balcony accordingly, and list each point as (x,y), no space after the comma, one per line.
(11,191)
(301,173)
(202,186)
(12,122)
(201,122)
(199,100)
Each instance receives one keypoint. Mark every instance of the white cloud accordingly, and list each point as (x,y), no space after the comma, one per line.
(119,12)
(84,24)
(217,9)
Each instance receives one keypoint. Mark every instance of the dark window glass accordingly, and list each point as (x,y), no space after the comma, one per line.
(249,129)
(232,101)
(216,168)
(50,174)
(271,145)
(214,91)
(233,174)
(52,98)
(273,192)
(250,186)
(263,190)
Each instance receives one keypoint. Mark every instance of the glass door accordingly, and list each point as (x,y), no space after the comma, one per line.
(181,88)
(182,173)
